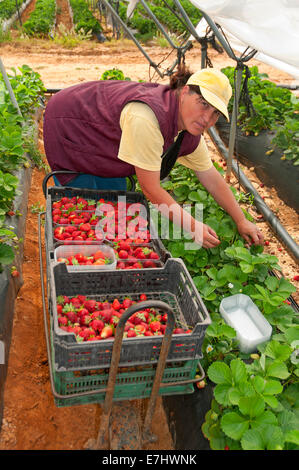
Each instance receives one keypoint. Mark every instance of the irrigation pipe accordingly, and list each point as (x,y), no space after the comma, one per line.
(260,204)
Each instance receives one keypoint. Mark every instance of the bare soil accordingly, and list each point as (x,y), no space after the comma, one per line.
(31,419)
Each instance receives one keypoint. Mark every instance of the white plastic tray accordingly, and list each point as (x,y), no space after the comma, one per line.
(64,251)
(242,314)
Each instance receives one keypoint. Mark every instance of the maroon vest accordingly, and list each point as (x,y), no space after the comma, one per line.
(82,131)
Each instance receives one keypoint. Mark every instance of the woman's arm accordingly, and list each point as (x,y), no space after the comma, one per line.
(221,192)
(150,184)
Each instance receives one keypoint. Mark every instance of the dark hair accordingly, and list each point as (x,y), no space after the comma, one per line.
(179,79)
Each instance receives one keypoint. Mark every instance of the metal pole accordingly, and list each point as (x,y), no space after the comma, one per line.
(232,136)
(10,90)
(152,64)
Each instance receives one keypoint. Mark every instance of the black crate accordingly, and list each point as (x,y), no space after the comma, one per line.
(172,284)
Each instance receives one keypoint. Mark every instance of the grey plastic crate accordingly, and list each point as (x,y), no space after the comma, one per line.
(55,193)
(171,284)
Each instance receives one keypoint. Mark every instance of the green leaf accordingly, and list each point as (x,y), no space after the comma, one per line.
(292,334)
(272,283)
(278,369)
(278,351)
(234,425)
(238,369)
(266,437)
(252,406)
(220,373)
(6,254)
(222,394)
(252,440)
(246,267)
(292,436)
(273,387)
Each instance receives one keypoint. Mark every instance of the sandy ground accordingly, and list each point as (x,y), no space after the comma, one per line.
(31,420)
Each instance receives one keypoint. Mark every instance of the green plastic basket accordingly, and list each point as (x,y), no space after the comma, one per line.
(129,385)
(132,383)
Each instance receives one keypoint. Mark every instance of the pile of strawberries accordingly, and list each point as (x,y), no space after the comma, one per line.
(131,256)
(75,222)
(96,259)
(91,320)
(114,218)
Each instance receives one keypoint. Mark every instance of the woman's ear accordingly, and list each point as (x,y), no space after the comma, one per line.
(184,90)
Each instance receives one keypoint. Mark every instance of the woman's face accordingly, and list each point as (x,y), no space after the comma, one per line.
(195,114)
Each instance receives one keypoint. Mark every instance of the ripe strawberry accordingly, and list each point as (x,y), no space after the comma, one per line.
(148,333)
(142,297)
(131,334)
(85,227)
(99,254)
(123,254)
(155,326)
(107,332)
(107,315)
(106,305)
(129,325)
(201,384)
(149,264)
(76,302)
(127,303)
(62,321)
(82,311)
(178,331)
(74,329)
(72,317)
(121,265)
(86,333)
(15,273)
(97,325)
(116,304)
(85,320)
(90,305)
(296,277)
(124,245)
(140,329)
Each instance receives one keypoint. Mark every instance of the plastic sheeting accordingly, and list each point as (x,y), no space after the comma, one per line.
(269,26)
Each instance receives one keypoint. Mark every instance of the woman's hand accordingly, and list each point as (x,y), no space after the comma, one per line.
(205,236)
(250,232)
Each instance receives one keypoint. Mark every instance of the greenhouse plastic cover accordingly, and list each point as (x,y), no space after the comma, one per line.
(269,26)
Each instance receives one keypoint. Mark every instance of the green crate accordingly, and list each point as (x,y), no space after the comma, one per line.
(131,383)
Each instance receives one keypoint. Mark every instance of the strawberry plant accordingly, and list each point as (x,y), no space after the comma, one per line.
(42,19)
(83,18)
(27,88)
(8,8)
(255,396)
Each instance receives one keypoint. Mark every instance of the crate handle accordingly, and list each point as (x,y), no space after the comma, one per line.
(102,439)
(60,172)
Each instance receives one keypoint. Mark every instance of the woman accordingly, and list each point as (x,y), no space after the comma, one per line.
(114,129)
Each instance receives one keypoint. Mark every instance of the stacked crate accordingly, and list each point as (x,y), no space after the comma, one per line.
(82,367)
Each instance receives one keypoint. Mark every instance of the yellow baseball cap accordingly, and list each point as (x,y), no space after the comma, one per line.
(214,87)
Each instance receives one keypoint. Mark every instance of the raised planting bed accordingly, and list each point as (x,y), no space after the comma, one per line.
(271,168)
(267,135)
(14,190)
